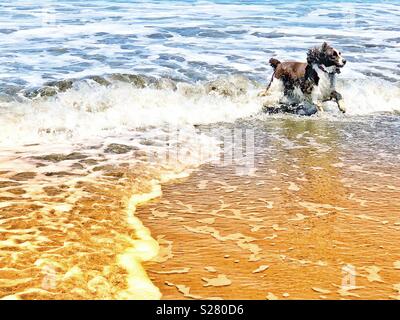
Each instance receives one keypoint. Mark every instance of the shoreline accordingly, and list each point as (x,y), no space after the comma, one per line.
(308,211)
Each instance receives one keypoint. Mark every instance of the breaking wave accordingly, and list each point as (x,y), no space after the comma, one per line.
(112,104)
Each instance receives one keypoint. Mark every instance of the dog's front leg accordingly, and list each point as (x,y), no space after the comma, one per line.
(319,106)
(311,100)
(309,91)
(339,101)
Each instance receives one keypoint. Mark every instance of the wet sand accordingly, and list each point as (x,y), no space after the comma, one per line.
(317,219)
(67,224)
(310,211)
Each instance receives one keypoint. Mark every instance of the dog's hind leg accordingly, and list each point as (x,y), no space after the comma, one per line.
(265,92)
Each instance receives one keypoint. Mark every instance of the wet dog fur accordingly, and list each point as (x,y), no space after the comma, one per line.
(316,78)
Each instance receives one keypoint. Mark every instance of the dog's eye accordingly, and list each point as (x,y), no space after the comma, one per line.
(335,54)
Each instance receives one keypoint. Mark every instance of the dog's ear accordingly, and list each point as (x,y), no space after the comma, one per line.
(313,55)
(325,46)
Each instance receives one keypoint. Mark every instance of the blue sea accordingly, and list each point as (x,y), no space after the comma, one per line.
(194,41)
(190,40)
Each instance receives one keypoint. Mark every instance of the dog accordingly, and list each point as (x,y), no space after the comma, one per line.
(316,79)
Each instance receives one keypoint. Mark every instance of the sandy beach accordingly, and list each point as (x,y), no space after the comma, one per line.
(312,222)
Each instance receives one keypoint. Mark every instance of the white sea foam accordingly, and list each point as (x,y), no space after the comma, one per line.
(89,109)
(369,96)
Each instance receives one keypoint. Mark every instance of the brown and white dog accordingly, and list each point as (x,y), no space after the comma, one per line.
(316,79)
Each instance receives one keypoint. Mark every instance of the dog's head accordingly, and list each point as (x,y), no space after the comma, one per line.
(326,56)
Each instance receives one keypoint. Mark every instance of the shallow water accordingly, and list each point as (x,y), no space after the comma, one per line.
(103,102)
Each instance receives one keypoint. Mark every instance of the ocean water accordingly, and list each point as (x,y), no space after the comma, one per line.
(100,103)
(188,41)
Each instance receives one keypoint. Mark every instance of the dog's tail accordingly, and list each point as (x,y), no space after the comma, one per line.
(274,63)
